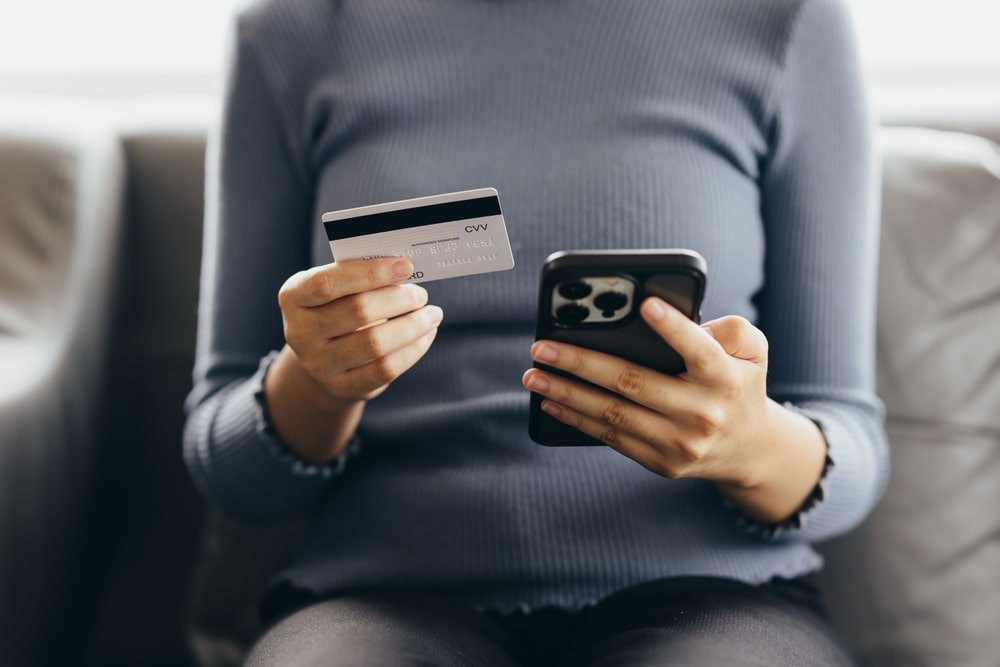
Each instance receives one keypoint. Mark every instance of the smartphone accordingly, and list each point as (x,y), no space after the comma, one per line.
(590,298)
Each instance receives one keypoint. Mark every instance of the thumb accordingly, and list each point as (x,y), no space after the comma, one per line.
(739,338)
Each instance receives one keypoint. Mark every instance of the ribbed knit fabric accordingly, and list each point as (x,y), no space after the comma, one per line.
(734,127)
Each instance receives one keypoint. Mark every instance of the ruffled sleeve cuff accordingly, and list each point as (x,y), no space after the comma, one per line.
(793,523)
(853,477)
(282,452)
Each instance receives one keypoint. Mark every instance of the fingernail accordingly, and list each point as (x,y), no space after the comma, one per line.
(545,353)
(654,309)
(434,315)
(537,382)
(419,294)
(402,269)
(552,409)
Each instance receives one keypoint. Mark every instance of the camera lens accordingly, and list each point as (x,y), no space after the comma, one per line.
(609,302)
(572,313)
(574,290)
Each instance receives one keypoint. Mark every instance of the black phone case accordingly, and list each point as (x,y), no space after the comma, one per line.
(678,276)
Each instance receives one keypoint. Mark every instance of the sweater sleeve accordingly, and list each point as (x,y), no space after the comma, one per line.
(817,307)
(257,234)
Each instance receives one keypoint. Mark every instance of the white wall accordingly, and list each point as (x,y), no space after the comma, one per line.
(130,47)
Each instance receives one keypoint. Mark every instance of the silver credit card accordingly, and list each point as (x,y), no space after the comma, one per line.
(445,236)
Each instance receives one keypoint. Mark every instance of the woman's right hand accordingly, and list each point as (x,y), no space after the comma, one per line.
(351,328)
(354,327)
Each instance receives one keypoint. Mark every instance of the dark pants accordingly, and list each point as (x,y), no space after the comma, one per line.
(690,621)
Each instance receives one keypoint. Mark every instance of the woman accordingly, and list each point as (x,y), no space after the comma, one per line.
(394,415)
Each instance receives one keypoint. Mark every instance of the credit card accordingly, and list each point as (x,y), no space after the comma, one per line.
(445,236)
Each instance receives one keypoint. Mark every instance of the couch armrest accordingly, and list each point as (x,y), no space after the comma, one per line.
(918,584)
(61,192)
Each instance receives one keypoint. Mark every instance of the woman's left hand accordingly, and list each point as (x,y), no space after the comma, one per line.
(714,421)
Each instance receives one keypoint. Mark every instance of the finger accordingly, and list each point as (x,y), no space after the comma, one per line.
(739,338)
(608,408)
(661,460)
(659,392)
(703,356)
(364,346)
(353,312)
(367,381)
(323,284)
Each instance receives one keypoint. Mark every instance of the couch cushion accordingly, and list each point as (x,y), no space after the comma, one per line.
(939,305)
(60,199)
(919,583)
(37,196)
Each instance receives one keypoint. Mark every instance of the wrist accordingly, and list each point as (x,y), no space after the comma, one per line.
(308,420)
(789,459)
(288,370)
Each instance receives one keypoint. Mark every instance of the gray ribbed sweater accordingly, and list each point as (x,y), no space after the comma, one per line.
(734,127)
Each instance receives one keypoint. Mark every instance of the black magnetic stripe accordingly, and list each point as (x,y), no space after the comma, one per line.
(388,221)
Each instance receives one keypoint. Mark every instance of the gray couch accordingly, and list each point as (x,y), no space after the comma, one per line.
(107,555)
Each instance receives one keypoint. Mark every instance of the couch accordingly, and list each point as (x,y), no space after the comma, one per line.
(108,557)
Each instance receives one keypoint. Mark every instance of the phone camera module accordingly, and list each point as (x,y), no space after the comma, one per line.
(610,302)
(574,290)
(572,313)
(592,300)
